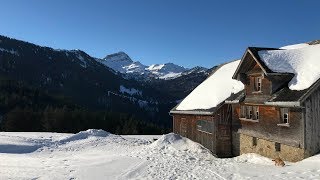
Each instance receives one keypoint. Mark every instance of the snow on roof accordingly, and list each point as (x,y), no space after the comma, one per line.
(214,90)
(295,46)
(304,62)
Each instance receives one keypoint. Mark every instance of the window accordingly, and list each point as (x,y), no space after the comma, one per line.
(257,83)
(277,146)
(243,112)
(205,126)
(254,141)
(249,112)
(284,115)
(255,112)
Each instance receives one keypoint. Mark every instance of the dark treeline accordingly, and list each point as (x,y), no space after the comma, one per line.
(24,108)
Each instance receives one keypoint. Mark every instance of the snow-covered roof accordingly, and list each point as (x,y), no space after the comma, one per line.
(295,46)
(214,90)
(302,60)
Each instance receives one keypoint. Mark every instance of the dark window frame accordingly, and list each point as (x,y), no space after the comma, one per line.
(249,112)
(254,141)
(277,147)
(285,118)
(257,84)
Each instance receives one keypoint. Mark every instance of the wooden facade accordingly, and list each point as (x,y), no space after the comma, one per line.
(312,122)
(212,131)
(270,126)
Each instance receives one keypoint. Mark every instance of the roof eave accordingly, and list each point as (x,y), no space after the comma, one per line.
(192,112)
(232,102)
(285,103)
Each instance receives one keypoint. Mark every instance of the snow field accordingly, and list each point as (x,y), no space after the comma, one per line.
(96,154)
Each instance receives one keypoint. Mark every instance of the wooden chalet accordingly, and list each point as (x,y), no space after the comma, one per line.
(266,117)
(269,118)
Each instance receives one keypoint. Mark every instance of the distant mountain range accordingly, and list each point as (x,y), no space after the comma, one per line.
(121,62)
(115,83)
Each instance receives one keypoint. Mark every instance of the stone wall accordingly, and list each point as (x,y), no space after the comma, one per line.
(265,148)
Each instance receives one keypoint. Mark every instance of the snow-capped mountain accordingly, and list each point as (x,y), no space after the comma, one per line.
(122,63)
(167,70)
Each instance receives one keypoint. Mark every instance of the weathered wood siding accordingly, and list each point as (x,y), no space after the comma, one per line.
(186,125)
(266,86)
(312,123)
(219,141)
(223,134)
(267,128)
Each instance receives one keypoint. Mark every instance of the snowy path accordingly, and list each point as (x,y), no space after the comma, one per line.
(96,154)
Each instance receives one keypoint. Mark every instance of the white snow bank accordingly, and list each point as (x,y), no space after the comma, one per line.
(303,62)
(214,90)
(131,157)
(177,142)
(254,159)
(86,134)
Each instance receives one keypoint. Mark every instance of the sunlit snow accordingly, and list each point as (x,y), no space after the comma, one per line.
(97,154)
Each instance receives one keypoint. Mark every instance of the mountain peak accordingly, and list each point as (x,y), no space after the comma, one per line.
(119,56)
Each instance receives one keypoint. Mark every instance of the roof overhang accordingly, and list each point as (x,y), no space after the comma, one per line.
(285,104)
(192,112)
(232,102)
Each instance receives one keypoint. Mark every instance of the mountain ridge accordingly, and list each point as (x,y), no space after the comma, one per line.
(121,62)
(81,78)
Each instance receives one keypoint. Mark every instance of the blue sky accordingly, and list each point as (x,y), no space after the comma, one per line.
(185,32)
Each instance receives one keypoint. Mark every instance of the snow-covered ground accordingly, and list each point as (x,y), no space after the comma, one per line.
(96,154)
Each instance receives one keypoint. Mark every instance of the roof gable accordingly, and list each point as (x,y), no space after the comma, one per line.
(251,54)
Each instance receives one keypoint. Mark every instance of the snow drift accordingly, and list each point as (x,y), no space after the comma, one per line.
(86,134)
(177,142)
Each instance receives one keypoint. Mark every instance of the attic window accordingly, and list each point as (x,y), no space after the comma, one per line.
(257,83)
